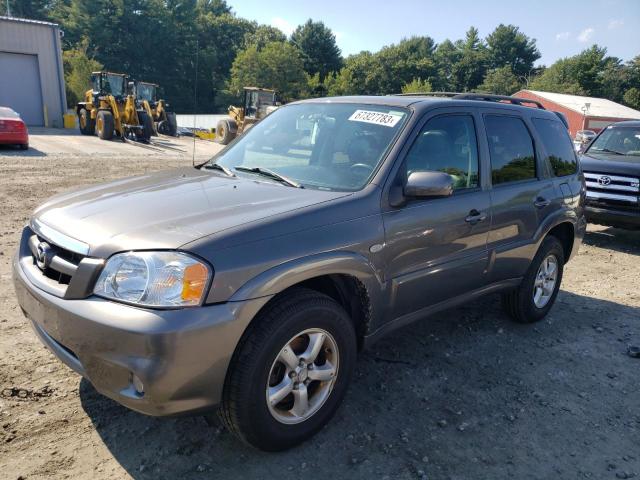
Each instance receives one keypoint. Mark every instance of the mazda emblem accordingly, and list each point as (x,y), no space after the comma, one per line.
(604,181)
(43,255)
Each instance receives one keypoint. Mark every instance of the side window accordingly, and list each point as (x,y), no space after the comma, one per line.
(561,155)
(447,144)
(511,149)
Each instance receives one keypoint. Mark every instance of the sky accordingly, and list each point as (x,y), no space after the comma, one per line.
(562,27)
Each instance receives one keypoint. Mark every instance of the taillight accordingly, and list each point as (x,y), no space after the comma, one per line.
(12,126)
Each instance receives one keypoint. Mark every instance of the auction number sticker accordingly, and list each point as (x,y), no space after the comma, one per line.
(377,118)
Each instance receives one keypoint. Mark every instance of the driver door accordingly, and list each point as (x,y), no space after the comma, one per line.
(436,248)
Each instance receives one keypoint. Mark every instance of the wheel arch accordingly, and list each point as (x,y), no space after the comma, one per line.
(346,277)
(561,225)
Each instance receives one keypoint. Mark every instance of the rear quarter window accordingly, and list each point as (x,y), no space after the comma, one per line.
(561,156)
(511,149)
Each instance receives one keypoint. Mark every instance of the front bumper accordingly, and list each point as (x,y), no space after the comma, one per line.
(180,356)
(612,217)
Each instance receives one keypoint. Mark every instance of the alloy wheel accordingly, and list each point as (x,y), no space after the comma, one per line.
(545,281)
(302,376)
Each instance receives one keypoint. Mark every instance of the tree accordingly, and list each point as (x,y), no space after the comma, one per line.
(558,78)
(471,66)
(264,34)
(508,46)
(318,47)
(33,9)
(277,66)
(632,98)
(77,72)
(416,86)
(592,72)
(500,81)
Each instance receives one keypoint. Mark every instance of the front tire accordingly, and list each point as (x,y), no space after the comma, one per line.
(224,134)
(105,124)
(535,296)
(290,371)
(87,124)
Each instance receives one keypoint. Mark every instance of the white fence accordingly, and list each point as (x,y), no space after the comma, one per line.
(204,121)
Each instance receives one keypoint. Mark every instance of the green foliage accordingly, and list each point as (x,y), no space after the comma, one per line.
(34,9)
(417,86)
(162,41)
(77,71)
(592,72)
(277,66)
(508,46)
(632,98)
(262,35)
(318,47)
(500,81)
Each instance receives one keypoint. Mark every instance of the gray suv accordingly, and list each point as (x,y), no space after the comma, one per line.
(251,282)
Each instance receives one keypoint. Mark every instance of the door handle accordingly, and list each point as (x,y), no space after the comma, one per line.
(475,216)
(542,202)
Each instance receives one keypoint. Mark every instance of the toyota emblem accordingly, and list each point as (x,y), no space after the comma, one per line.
(43,255)
(604,181)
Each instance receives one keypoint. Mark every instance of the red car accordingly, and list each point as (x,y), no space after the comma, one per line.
(12,129)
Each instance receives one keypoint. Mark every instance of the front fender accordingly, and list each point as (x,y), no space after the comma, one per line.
(285,275)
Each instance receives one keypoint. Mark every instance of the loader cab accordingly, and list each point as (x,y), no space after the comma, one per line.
(109,83)
(257,102)
(146,91)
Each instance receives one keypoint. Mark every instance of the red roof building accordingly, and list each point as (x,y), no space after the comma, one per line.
(583,113)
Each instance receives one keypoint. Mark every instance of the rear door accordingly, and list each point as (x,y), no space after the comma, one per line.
(436,248)
(522,193)
(560,157)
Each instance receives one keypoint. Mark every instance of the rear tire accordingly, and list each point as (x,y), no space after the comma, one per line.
(224,135)
(105,125)
(257,369)
(172,124)
(24,146)
(147,127)
(535,296)
(87,124)
(163,127)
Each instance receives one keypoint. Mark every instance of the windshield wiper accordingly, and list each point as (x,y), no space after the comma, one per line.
(222,168)
(271,174)
(606,150)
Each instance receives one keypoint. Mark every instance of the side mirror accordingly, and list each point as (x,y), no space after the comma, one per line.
(428,184)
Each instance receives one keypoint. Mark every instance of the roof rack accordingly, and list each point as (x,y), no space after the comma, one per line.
(483,97)
(487,97)
(427,94)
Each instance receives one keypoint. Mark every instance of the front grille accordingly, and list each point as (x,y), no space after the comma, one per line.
(612,191)
(55,262)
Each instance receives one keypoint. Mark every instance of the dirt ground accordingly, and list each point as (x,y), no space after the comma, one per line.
(465,394)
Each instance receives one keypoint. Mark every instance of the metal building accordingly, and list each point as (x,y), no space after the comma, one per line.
(31,74)
(583,113)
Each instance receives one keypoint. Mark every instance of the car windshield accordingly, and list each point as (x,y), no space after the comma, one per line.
(327,146)
(146,91)
(8,113)
(618,141)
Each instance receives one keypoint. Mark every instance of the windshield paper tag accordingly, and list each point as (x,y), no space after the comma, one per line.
(377,118)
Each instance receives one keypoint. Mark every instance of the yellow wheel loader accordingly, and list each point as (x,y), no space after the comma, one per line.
(257,104)
(110,109)
(147,95)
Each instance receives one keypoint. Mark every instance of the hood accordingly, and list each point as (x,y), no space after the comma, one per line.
(611,163)
(169,209)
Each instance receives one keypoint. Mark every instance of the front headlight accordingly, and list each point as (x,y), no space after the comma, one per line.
(154,279)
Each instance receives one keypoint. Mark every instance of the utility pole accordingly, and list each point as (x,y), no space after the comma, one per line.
(8,9)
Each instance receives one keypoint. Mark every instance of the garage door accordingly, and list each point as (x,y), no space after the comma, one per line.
(20,86)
